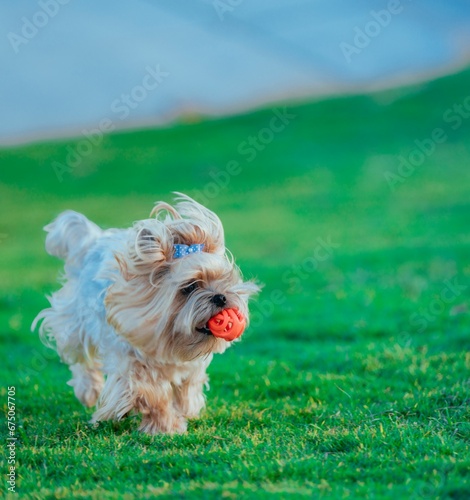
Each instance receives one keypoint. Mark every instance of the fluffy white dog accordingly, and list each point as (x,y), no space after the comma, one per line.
(142,310)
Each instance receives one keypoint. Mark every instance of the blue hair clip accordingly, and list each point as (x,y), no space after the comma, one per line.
(184,250)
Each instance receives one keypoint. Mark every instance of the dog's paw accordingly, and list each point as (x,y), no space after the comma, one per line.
(174,425)
(87,384)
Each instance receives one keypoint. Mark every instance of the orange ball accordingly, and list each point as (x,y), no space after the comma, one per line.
(228,324)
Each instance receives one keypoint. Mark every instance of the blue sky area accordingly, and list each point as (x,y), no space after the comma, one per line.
(68,64)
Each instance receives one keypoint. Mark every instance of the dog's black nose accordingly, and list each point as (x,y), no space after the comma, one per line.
(219,300)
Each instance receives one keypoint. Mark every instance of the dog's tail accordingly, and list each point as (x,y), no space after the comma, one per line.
(70,235)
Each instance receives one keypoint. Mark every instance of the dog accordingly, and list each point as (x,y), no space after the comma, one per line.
(142,311)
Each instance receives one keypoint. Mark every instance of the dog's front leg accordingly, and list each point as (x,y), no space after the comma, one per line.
(153,398)
(189,396)
(159,415)
(116,399)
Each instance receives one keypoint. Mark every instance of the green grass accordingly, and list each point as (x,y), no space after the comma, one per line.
(353,380)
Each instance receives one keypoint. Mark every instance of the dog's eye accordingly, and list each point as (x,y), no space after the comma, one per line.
(189,288)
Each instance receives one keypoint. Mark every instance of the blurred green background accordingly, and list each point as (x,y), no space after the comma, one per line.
(353,378)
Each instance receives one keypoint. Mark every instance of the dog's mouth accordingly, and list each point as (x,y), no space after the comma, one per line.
(204,329)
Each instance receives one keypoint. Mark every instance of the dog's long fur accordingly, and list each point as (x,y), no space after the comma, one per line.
(122,321)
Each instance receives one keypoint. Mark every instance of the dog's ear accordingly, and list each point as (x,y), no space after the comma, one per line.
(149,247)
(145,258)
(152,244)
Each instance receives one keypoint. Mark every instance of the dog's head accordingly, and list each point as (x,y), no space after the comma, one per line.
(173,278)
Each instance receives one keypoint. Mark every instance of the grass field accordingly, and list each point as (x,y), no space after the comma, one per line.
(353,380)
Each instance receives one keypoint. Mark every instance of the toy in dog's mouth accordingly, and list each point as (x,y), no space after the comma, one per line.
(228,324)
